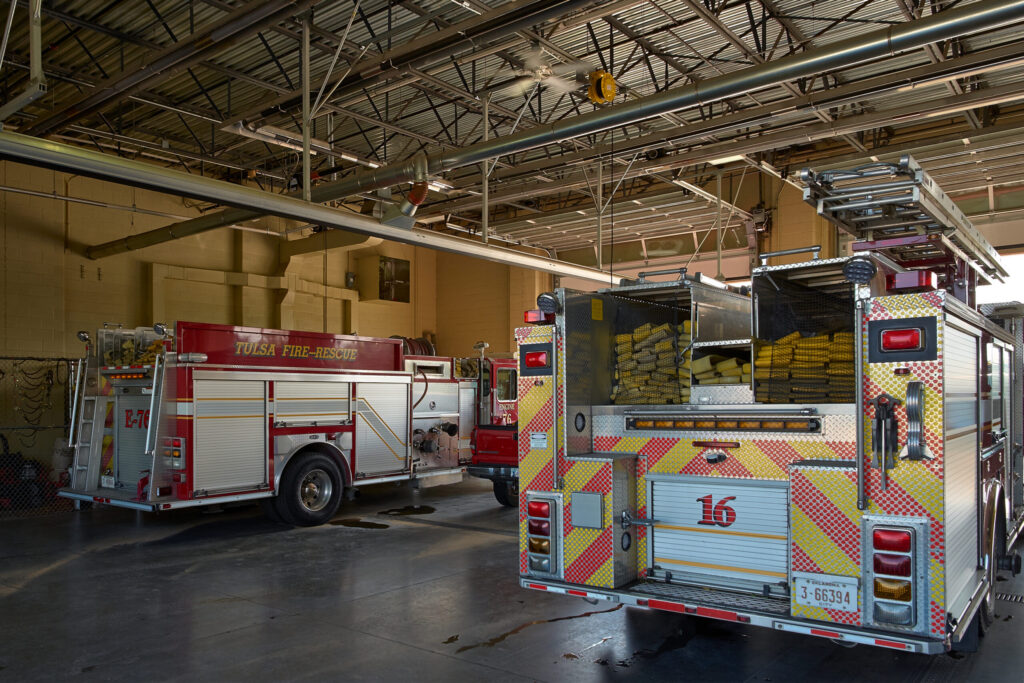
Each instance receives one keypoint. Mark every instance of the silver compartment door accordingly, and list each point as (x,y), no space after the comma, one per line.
(230,435)
(307,403)
(467,417)
(131,416)
(382,427)
(745,548)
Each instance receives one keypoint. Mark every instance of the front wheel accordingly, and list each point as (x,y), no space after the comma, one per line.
(507,493)
(311,490)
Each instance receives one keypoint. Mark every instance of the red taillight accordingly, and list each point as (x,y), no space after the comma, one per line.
(539,527)
(536,359)
(892,540)
(893,565)
(538,508)
(902,340)
(176,442)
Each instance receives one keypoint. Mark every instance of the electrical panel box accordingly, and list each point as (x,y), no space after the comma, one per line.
(382,278)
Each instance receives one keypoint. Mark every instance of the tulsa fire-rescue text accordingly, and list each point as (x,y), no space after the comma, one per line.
(293,351)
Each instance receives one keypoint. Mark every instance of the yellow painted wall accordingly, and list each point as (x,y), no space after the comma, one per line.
(482,301)
(49,289)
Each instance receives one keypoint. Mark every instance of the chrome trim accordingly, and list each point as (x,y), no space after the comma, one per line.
(313,376)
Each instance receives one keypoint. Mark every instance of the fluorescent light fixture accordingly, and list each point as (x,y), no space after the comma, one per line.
(726,160)
(581,212)
(873,158)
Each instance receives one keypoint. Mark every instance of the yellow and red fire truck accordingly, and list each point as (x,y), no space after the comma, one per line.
(836,452)
(213,414)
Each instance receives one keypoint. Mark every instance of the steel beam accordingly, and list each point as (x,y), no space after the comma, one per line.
(865,47)
(241,23)
(56,156)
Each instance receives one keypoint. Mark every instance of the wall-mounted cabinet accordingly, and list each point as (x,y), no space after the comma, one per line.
(381,278)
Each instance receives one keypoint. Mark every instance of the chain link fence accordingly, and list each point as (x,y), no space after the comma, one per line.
(35,395)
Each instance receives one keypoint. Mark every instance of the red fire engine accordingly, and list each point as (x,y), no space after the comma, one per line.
(494,441)
(217,414)
(838,455)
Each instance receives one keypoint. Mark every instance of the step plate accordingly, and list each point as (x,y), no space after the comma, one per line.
(709,597)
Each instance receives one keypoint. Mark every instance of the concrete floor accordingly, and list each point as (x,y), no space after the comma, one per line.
(114,595)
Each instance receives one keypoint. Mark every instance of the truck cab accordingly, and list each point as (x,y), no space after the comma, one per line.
(495,437)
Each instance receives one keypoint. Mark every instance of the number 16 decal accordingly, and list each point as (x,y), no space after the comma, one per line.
(719,513)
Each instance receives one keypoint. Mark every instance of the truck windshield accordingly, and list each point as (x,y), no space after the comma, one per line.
(505,384)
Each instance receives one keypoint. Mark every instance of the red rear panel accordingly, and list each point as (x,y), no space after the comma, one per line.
(496,445)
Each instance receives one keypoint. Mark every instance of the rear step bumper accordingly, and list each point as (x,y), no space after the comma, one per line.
(770,613)
(116,502)
(105,498)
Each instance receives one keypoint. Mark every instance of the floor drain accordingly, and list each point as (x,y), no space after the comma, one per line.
(1010,597)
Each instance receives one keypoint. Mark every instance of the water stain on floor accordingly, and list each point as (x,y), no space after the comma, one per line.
(497,639)
(358,524)
(451,639)
(408,510)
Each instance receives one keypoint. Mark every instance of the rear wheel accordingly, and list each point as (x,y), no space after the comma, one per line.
(507,493)
(311,490)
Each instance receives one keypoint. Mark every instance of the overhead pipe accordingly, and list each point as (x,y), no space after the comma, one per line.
(67,159)
(241,23)
(876,44)
(418,193)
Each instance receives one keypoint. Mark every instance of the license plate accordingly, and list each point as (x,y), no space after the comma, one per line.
(106,482)
(829,592)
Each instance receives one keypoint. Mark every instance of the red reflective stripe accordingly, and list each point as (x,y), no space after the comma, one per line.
(717,614)
(582,594)
(825,634)
(667,606)
(537,586)
(892,644)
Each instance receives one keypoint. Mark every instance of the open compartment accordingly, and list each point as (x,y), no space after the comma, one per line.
(640,340)
(803,350)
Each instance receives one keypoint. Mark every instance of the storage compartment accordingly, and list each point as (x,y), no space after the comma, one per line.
(803,349)
(638,340)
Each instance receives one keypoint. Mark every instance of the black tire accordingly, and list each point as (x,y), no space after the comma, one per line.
(311,490)
(507,493)
(269,508)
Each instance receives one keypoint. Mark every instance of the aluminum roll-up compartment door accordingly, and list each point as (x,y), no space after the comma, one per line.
(382,427)
(721,532)
(230,435)
(131,420)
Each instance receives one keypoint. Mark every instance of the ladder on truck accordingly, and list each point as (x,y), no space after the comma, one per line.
(87,410)
(898,210)
(88,427)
